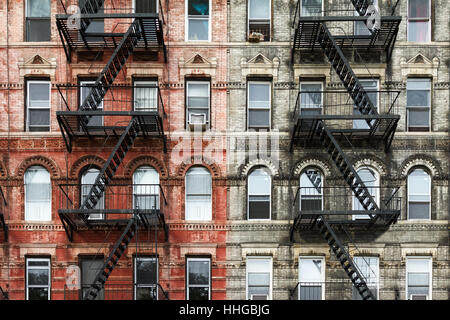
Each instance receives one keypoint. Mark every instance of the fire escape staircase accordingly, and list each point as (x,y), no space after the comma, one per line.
(3,225)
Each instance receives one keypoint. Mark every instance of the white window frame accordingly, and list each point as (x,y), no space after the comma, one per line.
(26,24)
(300,7)
(321,93)
(429,195)
(134,6)
(150,187)
(270,275)
(408,19)
(136,285)
(322,188)
(270,104)
(377,195)
(270,19)
(136,84)
(84,83)
(27,214)
(186,23)
(430,272)
(270,195)
(376,271)
(49,268)
(322,273)
(189,259)
(186,198)
(208,115)
(419,107)
(39,108)
(92,216)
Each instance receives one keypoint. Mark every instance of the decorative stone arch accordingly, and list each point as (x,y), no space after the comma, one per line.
(259,163)
(312,162)
(371,161)
(145,161)
(84,161)
(420,161)
(198,161)
(45,162)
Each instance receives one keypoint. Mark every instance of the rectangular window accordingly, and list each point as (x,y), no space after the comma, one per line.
(198,279)
(198,20)
(312,279)
(311,8)
(368,268)
(38,278)
(198,102)
(418,103)
(198,194)
(145,6)
(38,105)
(146,278)
(259,102)
(419,20)
(259,278)
(90,267)
(38,20)
(259,195)
(85,89)
(96,25)
(418,278)
(259,13)
(360,28)
(419,195)
(146,96)
(371,88)
(311,98)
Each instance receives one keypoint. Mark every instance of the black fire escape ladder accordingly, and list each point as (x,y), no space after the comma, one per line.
(3,294)
(90,7)
(119,248)
(315,178)
(345,260)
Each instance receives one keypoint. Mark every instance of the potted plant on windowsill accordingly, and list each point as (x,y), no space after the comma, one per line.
(255,37)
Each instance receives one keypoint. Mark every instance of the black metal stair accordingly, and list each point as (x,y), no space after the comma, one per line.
(315,178)
(90,7)
(345,259)
(119,248)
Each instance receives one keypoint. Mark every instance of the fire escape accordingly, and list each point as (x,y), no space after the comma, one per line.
(107,112)
(334,119)
(3,225)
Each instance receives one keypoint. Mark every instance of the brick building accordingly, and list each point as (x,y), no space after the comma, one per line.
(178,149)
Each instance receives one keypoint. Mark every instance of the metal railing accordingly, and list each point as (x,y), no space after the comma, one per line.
(338,289)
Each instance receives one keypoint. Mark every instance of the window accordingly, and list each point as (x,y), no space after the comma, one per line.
(259,194)
(85,90)
(38,105)
(146,278)
(311,197)
(198,102)
(368,268)
(259,278)
(146,96)
(371,179)
(259,18)
(145,6)
(146,188)
(38,279)
(90,267)
(38,20)
(419,194)
(37,194)
(371,88)
(310,8)
(312,279)
(95,26)
(311,98)
(360,28)
(198,194)
(419,20)
(259,96)
(198,279)
(87,181)
(418,278)
(198,20)
(418,102)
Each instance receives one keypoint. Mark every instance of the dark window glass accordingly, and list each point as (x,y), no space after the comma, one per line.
(146,6)
(89,270)
(38,20)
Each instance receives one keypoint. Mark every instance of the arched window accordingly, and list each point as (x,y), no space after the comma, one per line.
(371,179)
(37,194)
(419,194)
(259,194)
(311,195)
(146,188)
(198,194)
(87,181)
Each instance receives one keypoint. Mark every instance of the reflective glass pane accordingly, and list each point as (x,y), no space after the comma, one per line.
(37,293)
(38,277)
(310,270)
(147,293)
(259,9)
(418,8)
(259,95)
(197,293)
(198,272)
(310,292)
(146,272)
(311,8)
(258,265)
(198,29)
(198,7)
(259,118)
(258,209)
(145,99)
(39,117)
(145,6)
(419,182)
(38,30)
(259,182)
(198,181)
(39,95)
(418,279)
(418,265)
(258,279)
(34,263)
(418,210)
(38,8)
(418,31)
(418,98)
(418,84)
(418,118)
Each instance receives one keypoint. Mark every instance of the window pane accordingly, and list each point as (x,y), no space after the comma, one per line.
(145,6)
(259,9)
(198,7)
(147,293)
(259,95)
(310,292)
(259,118)
(39,117)
(198,90)
(198,29)
(198,181)
(418,265)
(311,8)
(310,270)
(89,270)
(258,291)
(418,9)
(38,8)
(198,272)
(311,99)
(259,182)
(418,98)
(39,95)
(145,99)
(197,293)
(418,210)
(418,84)
(418,31)
(418,279)
(38,30)
(418,182)
(258,279)
(258,265)
(37,293)
(418,118)
(33,263)
(146,272)
(259,210)
(198,102)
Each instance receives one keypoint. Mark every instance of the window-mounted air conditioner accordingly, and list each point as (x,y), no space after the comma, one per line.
(197,120)
(259,297)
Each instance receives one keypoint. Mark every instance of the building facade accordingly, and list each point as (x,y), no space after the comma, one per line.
(212,149)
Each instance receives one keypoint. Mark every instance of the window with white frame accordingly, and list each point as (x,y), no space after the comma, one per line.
(369,269)
(38,20)
(146,188)
(311,8)
(198,102)
(96,25)
(259,102)
(311,196)
(90,267)
(418,103)
(259,16)
(145,6)
(419,20)
(38,105)
(145,278)
(87,181)
(259,278)
(198,279)
(198,20)
(198,194)
(418,278)
(371,88)
(360,27)
(146,96)
(259,194)
(311,277)
(85,90)
(371,178)
(38,279)
(311,98)
(419,194)
(38,193)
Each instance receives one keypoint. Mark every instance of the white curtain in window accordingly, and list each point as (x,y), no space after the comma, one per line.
(37,194)
(198,194)
(146,188)
(145,96)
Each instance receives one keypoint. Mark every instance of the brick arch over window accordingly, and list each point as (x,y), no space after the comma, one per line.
(83,162)
(245,171)
(45,162)
(198,161)
(304,163)
(421,160)
(145,160)
(370,161)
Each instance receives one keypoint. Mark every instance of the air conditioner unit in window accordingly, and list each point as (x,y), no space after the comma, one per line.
(259,297)
(197,120)
(419,297)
